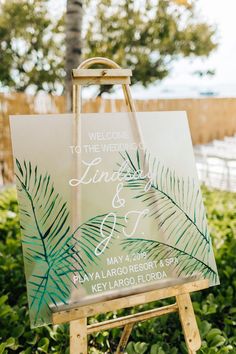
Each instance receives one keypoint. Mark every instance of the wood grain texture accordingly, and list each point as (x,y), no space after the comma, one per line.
(101,80)
(78,336)
(128,301)
(137,317)
(124,338)
(101,73)
(188,321)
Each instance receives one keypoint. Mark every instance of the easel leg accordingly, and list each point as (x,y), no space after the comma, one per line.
(78,336)
(189,324)
(124,338)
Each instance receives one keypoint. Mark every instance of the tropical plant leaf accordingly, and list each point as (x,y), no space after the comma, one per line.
(187,265)
(52,250)
(173,202)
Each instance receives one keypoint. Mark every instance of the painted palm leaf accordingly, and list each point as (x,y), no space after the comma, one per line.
(52,250)
(173,202)
(187,265)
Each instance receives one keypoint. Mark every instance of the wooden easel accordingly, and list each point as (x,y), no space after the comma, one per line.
(78,316)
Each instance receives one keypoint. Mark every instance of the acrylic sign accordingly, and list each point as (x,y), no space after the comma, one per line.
(140,221)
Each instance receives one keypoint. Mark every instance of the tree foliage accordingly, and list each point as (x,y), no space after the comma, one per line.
(31,52)
(147,36)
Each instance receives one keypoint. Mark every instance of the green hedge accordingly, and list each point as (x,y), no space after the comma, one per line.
(215,308)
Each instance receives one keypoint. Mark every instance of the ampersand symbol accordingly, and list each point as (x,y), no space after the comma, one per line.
(118,202)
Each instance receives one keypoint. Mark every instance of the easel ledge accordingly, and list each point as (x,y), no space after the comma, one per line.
(127,301)
(78,316)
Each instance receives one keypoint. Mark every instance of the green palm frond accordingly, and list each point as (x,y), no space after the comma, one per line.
(187,265)
(173,202)
(52,250)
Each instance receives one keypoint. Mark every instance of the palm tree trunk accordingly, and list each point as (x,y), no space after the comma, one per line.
(74,16)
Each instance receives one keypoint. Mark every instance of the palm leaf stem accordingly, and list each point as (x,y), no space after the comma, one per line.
(35,218)
(177,206)
(127,242)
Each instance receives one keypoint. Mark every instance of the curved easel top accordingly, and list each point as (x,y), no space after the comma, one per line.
(112,75)
(98,60)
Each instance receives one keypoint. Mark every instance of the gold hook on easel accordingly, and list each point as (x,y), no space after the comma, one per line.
(109,77)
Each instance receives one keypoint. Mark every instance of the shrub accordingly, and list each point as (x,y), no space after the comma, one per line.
(215,308)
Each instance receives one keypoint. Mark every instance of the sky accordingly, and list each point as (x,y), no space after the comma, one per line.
(181,82)
(223,60)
